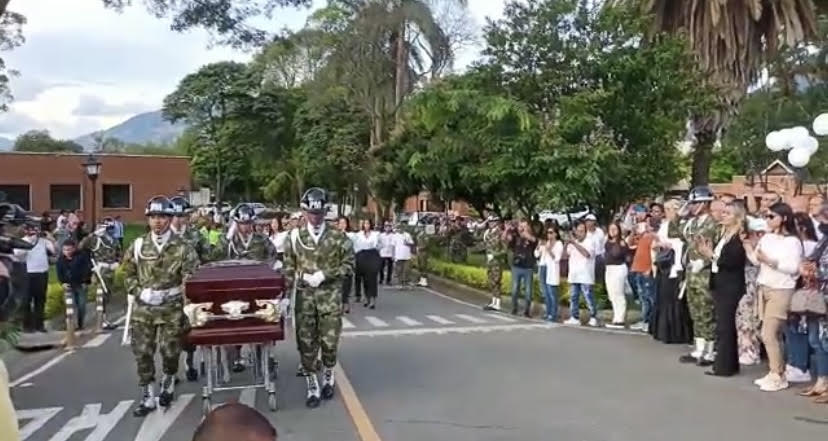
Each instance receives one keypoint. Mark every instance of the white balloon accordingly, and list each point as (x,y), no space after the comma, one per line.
(799,157)
(809,144)
(787,139)
(821,125)
(775,141)
(800,132)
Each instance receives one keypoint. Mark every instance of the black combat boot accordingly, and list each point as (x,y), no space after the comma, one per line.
(328,383)
(146,403)
(312,400)
(167,394)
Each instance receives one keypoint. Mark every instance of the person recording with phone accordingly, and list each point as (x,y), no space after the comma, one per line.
(522,242)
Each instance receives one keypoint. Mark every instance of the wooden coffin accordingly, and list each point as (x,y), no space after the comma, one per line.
(243,281)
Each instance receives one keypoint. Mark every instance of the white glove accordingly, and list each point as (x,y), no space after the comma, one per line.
(100,232)
(489,257)
(277,265)
(315,279)
(113,266)
(284,306)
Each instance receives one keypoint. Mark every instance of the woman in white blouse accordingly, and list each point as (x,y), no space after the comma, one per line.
(278,236)
(550,253)
(366,246)
(778,255)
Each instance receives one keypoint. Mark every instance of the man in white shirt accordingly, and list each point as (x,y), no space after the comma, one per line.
(386,253)
(37,267)
(403,242)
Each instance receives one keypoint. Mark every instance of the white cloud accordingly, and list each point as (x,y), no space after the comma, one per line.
(93,105)
(84,68)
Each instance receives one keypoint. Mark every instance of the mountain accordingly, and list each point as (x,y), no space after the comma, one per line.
(140,129)
(6,144)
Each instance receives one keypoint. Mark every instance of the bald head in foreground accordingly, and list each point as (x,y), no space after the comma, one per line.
(235,422)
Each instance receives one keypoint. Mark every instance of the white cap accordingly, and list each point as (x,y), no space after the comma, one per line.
(591,217)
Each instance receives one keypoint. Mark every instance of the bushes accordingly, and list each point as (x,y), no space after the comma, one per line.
(475,277)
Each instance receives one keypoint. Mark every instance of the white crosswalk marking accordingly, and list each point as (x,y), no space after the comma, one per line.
(501,318)
(409,321)
(440,320)
(91,418)
(346,324)
(470,318)
(38,418)
(97,341)
(376,321)
(155,424)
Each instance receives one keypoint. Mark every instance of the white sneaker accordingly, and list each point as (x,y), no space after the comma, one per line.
(640,326)
(774,384)
(593,322)
(572,321)
(615,325)
(760,381)
(747,361)
(796,375)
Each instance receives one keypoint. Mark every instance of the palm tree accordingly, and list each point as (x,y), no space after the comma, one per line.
(732,40)
(391,46)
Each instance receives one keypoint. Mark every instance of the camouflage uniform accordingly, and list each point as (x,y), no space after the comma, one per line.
(164,323)
(458,244)
(421,239)
(259,248)
(197,241)
(699,298)
(106,250)
(496,254)
(318,310)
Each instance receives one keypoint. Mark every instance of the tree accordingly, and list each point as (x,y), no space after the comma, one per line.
(208,101)
(461,143)
(227,20)
(11,36)
(42,141)
(732,40)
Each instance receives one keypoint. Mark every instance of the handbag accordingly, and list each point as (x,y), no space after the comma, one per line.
(665,258)
(808,299)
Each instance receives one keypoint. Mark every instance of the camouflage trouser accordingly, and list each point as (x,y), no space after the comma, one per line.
(458,252)
(422,262)
(495,273)
(163,326)
(700,303)
(318,324)
(108,276)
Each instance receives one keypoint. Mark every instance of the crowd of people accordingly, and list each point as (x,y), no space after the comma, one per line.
(734,281)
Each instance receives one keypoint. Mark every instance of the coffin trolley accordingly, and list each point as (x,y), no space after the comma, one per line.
(232,303)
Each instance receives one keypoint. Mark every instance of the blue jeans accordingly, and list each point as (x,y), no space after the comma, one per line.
(796,346)
(550,294)
(820,349)
(644,287)
(575,291)
(519,274)
(79,299)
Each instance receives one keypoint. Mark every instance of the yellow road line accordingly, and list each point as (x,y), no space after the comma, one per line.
(363,424)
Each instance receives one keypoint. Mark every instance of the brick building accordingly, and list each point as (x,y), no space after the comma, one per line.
(54,181)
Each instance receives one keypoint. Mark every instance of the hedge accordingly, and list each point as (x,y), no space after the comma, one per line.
(476,277)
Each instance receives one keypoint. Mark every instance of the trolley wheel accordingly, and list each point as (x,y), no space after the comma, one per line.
(271,401)
(206,406)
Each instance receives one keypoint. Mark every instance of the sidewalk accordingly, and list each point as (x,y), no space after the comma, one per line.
(476,296)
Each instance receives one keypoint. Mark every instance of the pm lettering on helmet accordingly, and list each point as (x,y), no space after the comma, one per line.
(156,206)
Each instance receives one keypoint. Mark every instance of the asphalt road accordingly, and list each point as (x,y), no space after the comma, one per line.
(426,367)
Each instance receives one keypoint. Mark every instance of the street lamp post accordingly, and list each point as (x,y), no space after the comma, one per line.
(93,169)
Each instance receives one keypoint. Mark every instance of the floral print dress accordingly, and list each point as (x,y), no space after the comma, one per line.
(747,319)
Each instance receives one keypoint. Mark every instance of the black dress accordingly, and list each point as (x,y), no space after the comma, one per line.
(671,320)
(728,286)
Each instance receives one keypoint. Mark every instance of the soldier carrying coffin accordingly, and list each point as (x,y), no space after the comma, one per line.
(316,260)
(156,266)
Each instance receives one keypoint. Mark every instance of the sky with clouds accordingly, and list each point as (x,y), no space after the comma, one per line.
(85,68)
